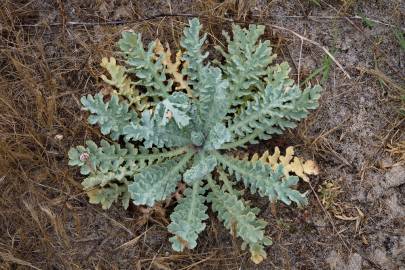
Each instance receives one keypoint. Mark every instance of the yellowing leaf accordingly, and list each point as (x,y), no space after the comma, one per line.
(93,195)
(172,68)
(257,255)
(118,77)
(291,163)
(123,83)
(256,258)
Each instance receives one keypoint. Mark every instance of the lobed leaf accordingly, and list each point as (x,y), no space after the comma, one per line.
(218,135)
(148,69)
(272,111)
(240,219)
(153,132)
(246,62)
(112,116)
(173,68)
(157,182)
(187,218)
(109,167)
(202,166)
(291,163)
(261,177)
(107,195)
(193,56)
(213,97)
(124,84)
(176,106)
(107,157)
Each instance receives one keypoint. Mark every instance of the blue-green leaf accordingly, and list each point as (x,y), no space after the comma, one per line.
(176,106)
(193,55)
(260,177)
(240,219)
(217,136)
(112,116)
(157,182)
(202,166)
(187,218)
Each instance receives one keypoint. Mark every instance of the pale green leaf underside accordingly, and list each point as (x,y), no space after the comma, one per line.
(193,55)
(272,111)
(213,97)
(153,132)
(246,61)
(217,136)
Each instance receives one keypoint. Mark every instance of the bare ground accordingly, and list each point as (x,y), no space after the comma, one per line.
(49,57)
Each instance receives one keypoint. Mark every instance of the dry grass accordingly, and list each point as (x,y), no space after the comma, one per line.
(49,57)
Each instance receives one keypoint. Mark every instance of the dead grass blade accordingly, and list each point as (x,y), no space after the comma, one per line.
(57,225)
(329,217)
(163,15)
(387,80)
(133,241)
(8,257)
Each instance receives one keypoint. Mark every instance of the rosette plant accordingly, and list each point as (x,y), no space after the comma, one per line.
(182,118)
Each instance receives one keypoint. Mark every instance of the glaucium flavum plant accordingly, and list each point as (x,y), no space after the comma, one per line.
(182,119)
